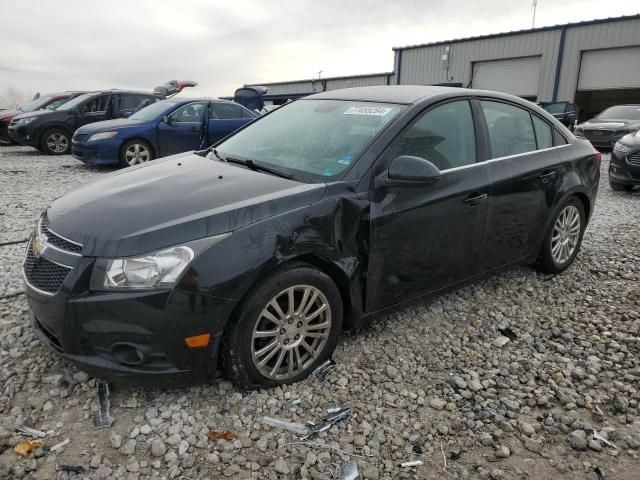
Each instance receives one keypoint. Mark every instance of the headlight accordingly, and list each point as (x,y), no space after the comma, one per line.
(620,148)
(25,121)
(160,269)
(101,136)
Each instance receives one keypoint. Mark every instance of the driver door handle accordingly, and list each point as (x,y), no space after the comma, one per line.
(475,199)
(547,175)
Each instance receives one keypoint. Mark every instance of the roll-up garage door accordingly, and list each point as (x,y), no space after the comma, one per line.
(518,76)
(610,68)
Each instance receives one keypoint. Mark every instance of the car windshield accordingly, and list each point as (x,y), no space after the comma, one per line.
(621,112)
(311,139)
(76,101)
(555,107)
(153,111)
(35,104)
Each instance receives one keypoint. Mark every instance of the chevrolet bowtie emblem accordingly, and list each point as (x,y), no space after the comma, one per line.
(37,247)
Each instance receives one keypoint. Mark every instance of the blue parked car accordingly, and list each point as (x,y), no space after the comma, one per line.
(161,129)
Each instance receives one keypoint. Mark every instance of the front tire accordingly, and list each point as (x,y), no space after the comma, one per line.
(134,152)
(563,239)
(286,327)
(56,141)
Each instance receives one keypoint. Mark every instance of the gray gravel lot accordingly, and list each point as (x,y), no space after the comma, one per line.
(434,382)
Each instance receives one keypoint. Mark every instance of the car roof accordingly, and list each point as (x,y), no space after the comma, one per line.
(405,94)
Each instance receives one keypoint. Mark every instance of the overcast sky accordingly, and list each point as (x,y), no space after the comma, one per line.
(56,45)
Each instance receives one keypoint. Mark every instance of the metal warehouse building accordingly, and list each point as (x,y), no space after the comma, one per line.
(594,64)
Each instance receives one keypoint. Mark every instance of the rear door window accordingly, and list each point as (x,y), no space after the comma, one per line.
(510,129)
(543,132)
(226,111)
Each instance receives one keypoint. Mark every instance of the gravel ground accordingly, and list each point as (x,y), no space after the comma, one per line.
(435,383)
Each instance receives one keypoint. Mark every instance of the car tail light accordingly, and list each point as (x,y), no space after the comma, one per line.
(598,158)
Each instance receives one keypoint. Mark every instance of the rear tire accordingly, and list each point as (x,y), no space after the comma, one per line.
(619,187)
(56,141)
(263,345)
(135,152)
(564,237)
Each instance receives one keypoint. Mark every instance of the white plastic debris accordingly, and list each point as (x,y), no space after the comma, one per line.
(58,446)
(295,427)
(597,436)
(32,432)
(413,463)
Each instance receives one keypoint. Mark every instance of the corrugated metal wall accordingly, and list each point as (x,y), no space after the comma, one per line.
(623,33)
(424,65)
(284,88)
(356,81)
(331,83)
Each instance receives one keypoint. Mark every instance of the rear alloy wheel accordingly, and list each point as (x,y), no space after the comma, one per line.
(135,152)
(563,240)
(286,327)
(55,142)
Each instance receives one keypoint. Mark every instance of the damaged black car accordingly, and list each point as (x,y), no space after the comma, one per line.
(252,256)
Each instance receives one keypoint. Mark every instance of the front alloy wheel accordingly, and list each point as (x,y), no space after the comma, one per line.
(137,153)
(286,326)
(291,332)
(55,142)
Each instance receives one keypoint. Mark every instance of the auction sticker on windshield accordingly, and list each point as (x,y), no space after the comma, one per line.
(376,111)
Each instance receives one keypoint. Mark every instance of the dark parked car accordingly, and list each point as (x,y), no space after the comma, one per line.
(607,128)
(565,112)
(51,131)
(161,129)
(252,257)
(50,101)
(624,167)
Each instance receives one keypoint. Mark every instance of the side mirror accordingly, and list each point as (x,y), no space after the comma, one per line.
(166,119)
(407,170)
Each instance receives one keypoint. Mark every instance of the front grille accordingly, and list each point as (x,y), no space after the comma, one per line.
(634,159)
(598,135)
(57,241)
(80,137)
(42,273)
(52,339)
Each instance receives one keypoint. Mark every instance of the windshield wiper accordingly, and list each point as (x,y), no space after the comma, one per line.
(255,166)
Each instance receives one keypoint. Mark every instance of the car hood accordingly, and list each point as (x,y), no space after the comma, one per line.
(9,114)
(41,113)
(108,125)
(607,124)
(172,201)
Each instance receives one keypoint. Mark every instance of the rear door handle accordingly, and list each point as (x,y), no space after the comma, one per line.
(547,175)
(475,199)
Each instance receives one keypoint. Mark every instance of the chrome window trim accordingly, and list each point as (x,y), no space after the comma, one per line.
(491,160)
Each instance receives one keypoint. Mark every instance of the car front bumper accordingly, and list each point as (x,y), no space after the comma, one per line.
(624,169)
(97,153)
(135,338)
(23,135)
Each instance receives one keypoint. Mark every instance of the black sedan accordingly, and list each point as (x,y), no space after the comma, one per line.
(252,257)
(611,125)
(624,167)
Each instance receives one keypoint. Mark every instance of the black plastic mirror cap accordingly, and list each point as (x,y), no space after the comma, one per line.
(407,168)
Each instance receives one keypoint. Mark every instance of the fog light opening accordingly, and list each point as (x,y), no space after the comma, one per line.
(127,354)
